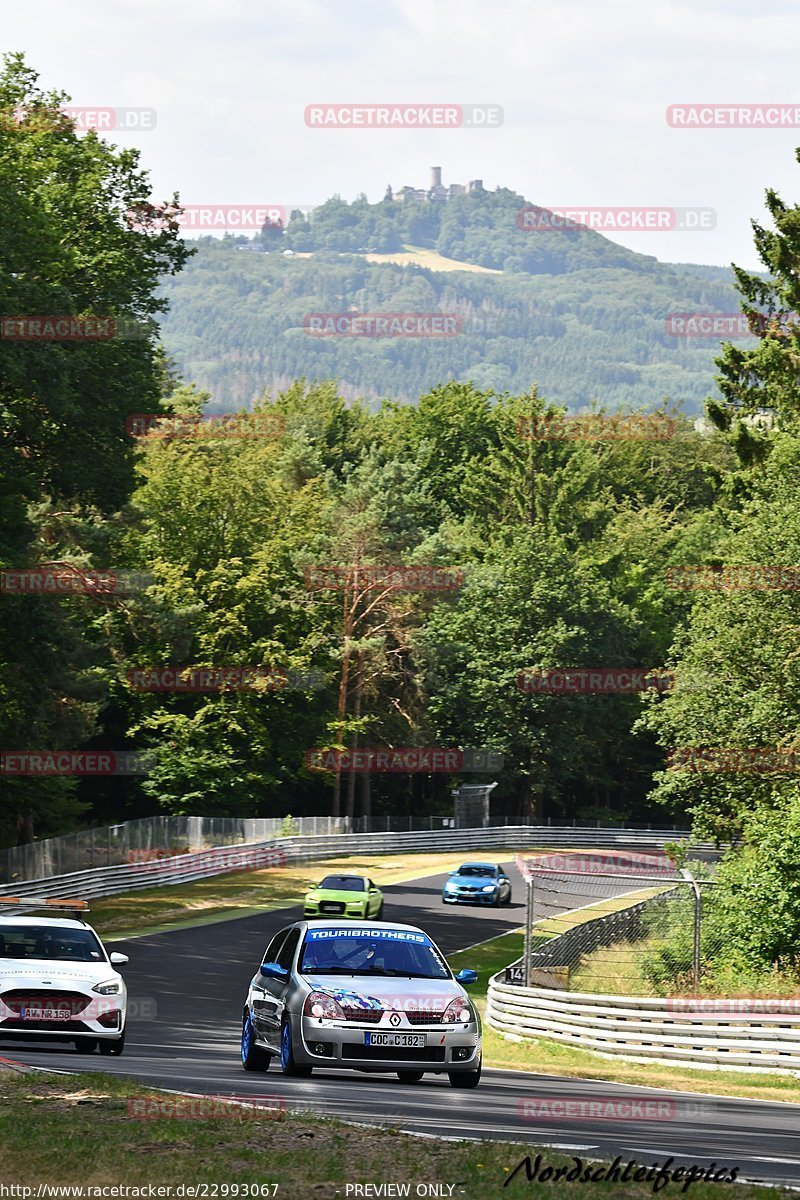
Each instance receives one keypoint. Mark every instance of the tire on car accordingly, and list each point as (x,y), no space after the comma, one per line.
(288,1064)
(254,1057)
(466,1079)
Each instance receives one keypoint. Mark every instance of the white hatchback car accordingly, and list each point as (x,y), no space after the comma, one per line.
(58,982)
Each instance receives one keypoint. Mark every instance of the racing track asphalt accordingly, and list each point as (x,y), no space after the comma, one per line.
(194,981)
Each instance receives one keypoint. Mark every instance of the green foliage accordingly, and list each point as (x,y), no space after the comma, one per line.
(66,465)
(756,918)
(764,379)
(737,680)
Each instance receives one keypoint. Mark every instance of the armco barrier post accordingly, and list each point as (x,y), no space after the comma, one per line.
(529,933)
(698,900)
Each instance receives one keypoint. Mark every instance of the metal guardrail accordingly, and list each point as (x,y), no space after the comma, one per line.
(115,845)
(759,1035)
(185,868)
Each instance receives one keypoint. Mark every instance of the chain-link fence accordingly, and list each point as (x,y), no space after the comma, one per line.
(151,838)
(619,923)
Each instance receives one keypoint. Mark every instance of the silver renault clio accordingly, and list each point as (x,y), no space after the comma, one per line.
(376,997)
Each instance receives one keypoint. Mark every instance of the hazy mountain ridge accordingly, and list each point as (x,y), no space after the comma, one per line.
(572,312)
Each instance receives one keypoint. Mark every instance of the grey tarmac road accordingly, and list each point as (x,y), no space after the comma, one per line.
(192,982)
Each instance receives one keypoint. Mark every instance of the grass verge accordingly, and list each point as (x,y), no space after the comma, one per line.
(79,1131)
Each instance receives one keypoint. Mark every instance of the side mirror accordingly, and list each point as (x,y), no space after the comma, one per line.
(118,960)
(467,976)
(273,970)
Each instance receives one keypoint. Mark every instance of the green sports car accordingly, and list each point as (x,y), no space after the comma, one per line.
(345,896)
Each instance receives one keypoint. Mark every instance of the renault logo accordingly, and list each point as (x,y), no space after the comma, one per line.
(394,1019)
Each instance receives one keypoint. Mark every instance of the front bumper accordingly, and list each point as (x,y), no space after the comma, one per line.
(469,897)
(449,1048)
(91,1016)
(350,912)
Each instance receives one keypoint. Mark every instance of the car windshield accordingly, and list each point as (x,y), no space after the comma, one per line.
(343,883)
(477,869)
(372,952)
(65,945)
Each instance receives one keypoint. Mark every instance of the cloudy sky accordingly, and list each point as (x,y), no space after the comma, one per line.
(584,89)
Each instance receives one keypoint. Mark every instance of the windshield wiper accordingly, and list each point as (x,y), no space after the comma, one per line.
(327,971)
(399,974)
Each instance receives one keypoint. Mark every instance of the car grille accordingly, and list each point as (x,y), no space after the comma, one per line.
(368,1016)
(76,1002)
(468,891)
(424,1018)
(394,1053)
(372,1016)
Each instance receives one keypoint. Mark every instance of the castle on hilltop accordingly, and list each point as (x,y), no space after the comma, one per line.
(436,191)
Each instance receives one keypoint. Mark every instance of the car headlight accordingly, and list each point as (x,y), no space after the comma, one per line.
(109,988)
(450,887)
(457,1012)
(321,1005)
(490,887)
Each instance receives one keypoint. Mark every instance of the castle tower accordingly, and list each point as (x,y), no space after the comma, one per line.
(436,177)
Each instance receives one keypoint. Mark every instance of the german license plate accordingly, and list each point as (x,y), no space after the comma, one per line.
(416,1040)
(46,1014)
(331,906)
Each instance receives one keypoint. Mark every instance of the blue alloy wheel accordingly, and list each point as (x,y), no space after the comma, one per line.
(254,1057)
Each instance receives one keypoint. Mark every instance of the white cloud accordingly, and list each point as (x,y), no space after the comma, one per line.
(585,88)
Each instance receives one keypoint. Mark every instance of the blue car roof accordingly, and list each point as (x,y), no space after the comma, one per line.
(479,864)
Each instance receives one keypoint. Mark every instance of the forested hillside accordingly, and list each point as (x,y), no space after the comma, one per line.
(571,311)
